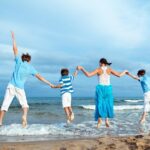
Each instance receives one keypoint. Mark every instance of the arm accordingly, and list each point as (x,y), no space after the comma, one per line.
(75,73)
(86,73)
(15,49)
(118,74)
(39,77)
(132,76)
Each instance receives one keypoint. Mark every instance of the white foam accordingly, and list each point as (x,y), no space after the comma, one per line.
(128,107)
(126,126)
(134,101)
(123,107)
(34,129)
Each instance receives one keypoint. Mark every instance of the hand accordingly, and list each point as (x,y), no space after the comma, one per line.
(51,85)
(12,35)
(126,72)
(79,67)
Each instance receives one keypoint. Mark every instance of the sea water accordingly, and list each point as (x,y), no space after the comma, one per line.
(47,120)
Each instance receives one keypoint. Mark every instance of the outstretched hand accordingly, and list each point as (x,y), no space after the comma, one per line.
(12,35)
(127,72)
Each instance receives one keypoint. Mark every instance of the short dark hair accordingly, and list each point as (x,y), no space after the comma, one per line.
(104,61)
(141,72)
(64,72)
(26,57)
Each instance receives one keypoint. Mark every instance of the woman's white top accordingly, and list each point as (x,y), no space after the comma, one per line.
(104,78)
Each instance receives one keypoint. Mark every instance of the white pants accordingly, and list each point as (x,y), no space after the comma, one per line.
(147,101)
(66,100)
(11,92)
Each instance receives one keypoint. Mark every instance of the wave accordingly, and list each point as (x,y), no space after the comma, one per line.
(133,101)
(124,107)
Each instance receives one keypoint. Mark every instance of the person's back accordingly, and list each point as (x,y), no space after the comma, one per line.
(67,84)
(104,76)
(145,83)
(22,70)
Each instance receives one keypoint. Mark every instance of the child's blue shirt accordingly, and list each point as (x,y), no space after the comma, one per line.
(145,83)
(66,82)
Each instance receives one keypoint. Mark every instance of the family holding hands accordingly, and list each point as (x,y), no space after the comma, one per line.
(104,100)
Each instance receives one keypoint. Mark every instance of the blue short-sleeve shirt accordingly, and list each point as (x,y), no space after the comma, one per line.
(145,83)
(21,72)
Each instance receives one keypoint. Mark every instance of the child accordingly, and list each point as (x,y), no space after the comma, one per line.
(145,83)
(66,89)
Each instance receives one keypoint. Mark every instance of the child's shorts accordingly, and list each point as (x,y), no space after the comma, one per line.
(147,101)
(11,92)
(66,99)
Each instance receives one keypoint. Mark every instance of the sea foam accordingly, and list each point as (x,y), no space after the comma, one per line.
(119,108)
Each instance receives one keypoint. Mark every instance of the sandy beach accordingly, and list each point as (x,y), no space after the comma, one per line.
(138,142)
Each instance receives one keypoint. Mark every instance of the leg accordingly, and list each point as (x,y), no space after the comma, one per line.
(21,96)
(9,95)
(143,117)
(69,97)
(146,107)
(67,114)
(107,122)
(2,113)
(24,116)
(99,122)
(71,113)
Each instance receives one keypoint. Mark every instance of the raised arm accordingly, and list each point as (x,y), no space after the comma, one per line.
(39,77)
(86,73)
(118,74)
(133,76)
(15,49)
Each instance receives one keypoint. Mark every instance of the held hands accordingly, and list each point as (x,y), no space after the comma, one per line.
(79,68)
(51,85)
(126,71)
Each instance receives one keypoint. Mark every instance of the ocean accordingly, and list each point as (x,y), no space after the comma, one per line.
(46,120)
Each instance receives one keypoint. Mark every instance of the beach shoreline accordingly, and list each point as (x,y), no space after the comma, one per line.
(138,142)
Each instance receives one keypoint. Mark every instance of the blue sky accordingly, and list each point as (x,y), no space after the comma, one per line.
(67,33)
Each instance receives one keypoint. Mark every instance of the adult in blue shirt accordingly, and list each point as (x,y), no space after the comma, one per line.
(22,70)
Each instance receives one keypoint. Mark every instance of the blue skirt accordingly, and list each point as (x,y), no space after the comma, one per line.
(104,102)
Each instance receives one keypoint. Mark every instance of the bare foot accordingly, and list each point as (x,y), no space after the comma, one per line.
(142,121)
(107,124)
(68,121)
(24,121)
(72,116)
(99,123)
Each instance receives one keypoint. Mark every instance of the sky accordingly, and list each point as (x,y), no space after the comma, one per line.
(67,33)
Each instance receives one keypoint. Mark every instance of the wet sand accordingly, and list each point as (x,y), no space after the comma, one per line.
(138,142)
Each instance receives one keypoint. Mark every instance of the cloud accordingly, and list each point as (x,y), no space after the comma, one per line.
(69,33)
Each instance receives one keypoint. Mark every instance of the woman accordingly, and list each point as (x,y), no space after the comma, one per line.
(104,96)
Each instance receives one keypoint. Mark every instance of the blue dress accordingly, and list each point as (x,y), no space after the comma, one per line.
(104,102)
